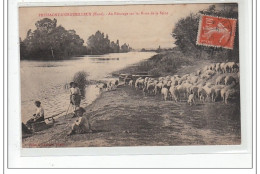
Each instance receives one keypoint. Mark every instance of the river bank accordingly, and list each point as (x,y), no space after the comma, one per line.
(125,117)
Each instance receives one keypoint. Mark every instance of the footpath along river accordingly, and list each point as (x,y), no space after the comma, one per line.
(45,80)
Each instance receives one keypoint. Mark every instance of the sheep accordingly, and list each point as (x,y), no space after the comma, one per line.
(174,93)
(223,67)
(193,79)
(198,72)
(168,78)
(158,88)
(191,99)
(231,67)
(224,91)
(177,76)
(220,80)
(139,84)
(212,67)
(188,87)
(217,90)
(151,88)
(230,93)
(210,92)
(131,83)
(202,94)
(101,86)
(184,77)
(174,83)
(172,79)
(181,90)
(217,68)
(146,79)
(165,93)
(169,83)
(205,68)
(227,92)
(161,79)
(194,90)
(136,82)
(205,76)
(110,86)
(229,80)
(209,72)
(165,81)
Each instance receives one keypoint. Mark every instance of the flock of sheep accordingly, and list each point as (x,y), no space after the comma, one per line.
(215,82)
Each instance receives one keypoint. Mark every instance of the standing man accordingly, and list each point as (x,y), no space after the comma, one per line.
(75,96)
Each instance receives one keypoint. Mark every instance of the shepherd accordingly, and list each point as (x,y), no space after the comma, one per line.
(75,96)
(38,116)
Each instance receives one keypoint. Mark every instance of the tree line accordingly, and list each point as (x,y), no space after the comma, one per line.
(52,42)
(98,43)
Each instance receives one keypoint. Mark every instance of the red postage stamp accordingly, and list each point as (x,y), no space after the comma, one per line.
(216,31)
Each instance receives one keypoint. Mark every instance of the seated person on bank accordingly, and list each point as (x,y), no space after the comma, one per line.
(81,125)
(38,116)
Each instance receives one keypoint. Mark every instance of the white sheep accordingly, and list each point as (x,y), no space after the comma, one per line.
(131,83)
(158,88)
(202,94)
(217,68)
(165,93)
(230,80)
(223,67)
(210,92)
(217,91)
(191,99)
(174,93)
(220,80)
(151,88)
(227,92)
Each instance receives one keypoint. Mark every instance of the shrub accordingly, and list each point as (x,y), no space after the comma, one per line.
(81,79)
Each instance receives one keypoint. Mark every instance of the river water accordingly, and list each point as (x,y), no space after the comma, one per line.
(45,80)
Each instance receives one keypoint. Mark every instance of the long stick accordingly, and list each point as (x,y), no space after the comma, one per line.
(67,110)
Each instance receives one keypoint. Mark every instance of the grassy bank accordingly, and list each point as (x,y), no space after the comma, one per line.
(161,64)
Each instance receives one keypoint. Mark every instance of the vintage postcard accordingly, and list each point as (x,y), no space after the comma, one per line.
(130,75)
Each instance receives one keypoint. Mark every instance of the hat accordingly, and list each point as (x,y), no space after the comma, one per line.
(80,109)
(37,102)
(71,83)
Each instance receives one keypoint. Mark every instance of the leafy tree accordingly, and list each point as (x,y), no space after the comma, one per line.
(125,48)
(98,43)
(50,41)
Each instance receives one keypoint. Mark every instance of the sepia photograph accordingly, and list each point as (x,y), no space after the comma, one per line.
(129,75)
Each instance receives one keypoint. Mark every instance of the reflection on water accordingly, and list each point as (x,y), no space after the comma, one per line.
(44,81)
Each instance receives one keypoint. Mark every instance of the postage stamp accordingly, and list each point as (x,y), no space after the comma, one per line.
(216,31)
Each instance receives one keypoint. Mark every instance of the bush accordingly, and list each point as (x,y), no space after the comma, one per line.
(81,79)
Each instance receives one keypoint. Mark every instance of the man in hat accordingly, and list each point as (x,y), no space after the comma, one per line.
(75,96)
(38,116)
(81,125)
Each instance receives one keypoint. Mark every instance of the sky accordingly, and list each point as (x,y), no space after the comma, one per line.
(139,31)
